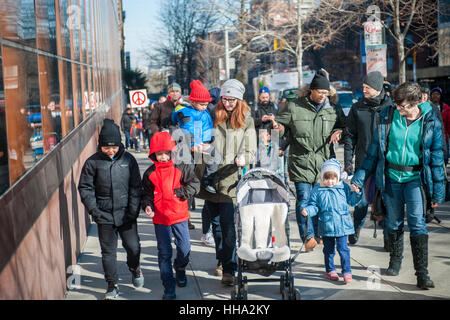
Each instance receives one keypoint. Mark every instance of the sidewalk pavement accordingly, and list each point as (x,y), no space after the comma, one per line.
(369,262)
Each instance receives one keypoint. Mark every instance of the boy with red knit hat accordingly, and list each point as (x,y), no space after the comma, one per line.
(194,119)
(166,188)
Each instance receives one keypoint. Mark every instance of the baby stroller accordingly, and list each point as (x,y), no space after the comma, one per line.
(262,206)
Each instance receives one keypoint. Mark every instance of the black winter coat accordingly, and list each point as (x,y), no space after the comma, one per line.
(126,121)
(111,190)
(260,111)
(361,122)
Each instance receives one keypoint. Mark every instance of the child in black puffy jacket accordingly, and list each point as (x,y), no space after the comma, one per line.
(110,189)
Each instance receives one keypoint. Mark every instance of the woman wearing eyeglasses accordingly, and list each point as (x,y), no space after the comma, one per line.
(235,141)
(407,158)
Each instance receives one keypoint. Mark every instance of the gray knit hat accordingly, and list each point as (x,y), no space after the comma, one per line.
(374,80)
(173,87)
(233,88)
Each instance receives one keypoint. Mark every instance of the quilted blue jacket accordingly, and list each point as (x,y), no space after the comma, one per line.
(332,207)
(432,174)
(197,123)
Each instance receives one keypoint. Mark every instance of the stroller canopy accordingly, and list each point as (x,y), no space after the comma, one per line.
(261,186)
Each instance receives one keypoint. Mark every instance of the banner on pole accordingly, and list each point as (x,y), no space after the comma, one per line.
(376,59)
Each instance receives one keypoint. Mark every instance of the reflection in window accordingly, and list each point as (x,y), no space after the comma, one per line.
(4,172)
(46,25)
(50,102)
(17,21)
(23,110)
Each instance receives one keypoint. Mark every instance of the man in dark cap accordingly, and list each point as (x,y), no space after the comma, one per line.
(110,189)
(361,122)
(313,126)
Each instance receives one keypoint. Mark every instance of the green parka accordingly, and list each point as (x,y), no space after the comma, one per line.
(230,143)
(309,133)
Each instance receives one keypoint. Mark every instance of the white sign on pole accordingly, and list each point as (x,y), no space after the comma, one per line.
(373,33)
(138,98)
(376,59)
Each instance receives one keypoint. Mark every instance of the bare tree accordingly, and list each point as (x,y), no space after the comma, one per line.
(185,22)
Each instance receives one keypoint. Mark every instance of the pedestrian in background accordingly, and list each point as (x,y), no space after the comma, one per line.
(406,156)
(167,187)
(125,124)
(160,119)
(265,110)
(110,189)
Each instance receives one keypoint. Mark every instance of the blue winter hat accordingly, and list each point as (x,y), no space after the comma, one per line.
(436,89)
(331,165)
(264,89)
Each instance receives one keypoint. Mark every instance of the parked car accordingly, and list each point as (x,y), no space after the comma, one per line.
(285,94)
(346,100)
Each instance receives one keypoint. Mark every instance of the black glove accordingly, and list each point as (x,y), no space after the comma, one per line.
(180,194)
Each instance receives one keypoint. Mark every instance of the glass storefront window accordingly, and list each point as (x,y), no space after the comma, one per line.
(50,102)
(4,171)
(46,25)
(17,22)
(23,110)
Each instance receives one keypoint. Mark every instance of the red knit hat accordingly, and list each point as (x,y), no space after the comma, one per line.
(199,92)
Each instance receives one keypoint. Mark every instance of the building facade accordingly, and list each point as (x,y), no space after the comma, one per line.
(60,76)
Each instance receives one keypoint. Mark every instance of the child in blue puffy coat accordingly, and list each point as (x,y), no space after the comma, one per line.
(330,200)
(194,119)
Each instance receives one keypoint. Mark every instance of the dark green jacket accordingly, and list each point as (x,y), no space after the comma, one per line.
(309,134)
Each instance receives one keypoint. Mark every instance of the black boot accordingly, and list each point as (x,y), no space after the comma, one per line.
(419,248)
(395,241)
(386,245)
(353,238)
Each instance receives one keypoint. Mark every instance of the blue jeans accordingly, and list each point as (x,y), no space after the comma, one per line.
(329,245)
(127,138)
(303,191)
(395,196)
(224,233)
(182,241)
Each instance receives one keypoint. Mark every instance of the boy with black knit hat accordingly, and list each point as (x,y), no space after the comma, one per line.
(110,189)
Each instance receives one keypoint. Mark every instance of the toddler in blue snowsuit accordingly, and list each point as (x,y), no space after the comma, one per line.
(330,200)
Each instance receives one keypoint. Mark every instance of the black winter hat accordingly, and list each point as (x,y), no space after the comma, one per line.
(374,80)
(110,134)
(320,81)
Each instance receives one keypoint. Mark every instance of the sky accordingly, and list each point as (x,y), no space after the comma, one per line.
(140,27)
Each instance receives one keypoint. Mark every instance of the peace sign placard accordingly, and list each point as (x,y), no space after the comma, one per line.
(138,98)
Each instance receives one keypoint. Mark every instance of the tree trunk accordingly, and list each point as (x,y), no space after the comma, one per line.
(401,61)
(299,49)
(243,60)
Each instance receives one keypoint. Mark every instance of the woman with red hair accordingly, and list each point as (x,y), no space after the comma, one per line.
(235,140)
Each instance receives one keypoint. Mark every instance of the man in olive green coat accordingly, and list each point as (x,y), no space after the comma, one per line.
(314,126)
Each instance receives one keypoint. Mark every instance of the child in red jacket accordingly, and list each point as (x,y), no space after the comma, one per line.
(166,190)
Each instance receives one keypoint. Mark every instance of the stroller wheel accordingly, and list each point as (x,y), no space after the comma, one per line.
(296,295)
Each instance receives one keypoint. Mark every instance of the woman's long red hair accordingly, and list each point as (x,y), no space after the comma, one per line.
(238,115)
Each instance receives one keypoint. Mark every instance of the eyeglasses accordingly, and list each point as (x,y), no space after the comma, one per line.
(227,100)
(406,106)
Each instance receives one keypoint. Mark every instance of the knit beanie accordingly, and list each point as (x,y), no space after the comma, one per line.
(331,165)
(173,87)
(199,92)
(233,88)
(436,89)
(320,81)
(264,89)
(374,80)
(109,134)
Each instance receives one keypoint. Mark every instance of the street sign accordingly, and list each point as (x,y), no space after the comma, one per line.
(138,98)
(376,59)
(373,33)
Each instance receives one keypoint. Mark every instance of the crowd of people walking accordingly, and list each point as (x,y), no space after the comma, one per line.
(395,146)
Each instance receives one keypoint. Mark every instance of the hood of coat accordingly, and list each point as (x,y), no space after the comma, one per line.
(161,141)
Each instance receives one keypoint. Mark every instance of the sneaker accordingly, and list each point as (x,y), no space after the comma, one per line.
(181,277)
(332,275)
(190,225)
(227,279)
(208,239)
(219,270)
(348,277)
(137,278)
(209,188)
(310,244)
(112,292)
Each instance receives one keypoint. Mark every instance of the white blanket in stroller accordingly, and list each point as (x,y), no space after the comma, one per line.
(255,220)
